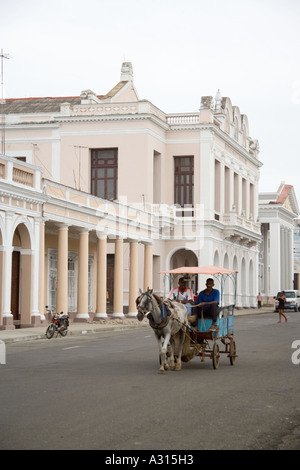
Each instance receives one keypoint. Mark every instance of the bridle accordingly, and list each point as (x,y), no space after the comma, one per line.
(142,312)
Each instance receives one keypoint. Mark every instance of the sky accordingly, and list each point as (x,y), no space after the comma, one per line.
(180,51)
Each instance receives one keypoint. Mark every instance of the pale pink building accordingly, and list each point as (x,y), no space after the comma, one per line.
(108,190)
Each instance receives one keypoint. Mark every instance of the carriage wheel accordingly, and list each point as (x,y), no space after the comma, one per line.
(232,352)
(215,355)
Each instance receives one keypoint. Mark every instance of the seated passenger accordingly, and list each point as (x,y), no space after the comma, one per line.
(208,300)
(182,294)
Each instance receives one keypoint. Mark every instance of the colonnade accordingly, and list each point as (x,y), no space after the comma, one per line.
(280,257)
(82,291)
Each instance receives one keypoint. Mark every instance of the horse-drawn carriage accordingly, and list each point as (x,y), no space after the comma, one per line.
(177,338)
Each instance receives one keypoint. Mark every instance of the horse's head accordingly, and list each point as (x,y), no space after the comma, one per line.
(144,303)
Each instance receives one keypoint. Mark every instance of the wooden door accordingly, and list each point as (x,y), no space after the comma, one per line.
(15,285)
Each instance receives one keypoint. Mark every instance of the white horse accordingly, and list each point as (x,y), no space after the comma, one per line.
(166,318)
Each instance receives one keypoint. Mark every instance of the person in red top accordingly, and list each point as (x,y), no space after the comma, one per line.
(182,294)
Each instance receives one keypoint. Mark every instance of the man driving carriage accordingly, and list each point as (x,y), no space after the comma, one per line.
(208,300)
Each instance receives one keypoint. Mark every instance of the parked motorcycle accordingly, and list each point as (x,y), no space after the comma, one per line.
(59,324)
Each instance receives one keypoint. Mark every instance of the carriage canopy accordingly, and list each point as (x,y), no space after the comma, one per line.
(215,271)
(211,270)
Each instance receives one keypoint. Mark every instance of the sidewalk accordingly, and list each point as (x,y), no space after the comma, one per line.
(110,324)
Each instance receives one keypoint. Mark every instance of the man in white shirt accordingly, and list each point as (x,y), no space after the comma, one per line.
(182,294)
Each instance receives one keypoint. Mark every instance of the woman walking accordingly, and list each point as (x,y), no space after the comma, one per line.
(281,299)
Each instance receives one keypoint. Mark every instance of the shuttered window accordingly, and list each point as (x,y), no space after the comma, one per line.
(104,173)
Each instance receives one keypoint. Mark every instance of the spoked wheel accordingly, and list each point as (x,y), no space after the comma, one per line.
(215,355)
(232,352)
(64,331)
(50,331)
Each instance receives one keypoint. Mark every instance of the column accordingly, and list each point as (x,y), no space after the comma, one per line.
(275,261)
(42,300)
(83,278)
(118,279)
(133,278)
(290,256)
(7,317)
(231,189)
(101,278)
(62,270)
(222,188)
(147,266)
(37,278)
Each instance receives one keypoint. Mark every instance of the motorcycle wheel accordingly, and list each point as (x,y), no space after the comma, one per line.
(50,331)
(65,330)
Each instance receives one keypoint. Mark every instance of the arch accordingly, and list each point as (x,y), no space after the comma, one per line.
(179,250)
(243,292)
(245,129)
(21,285)
(24,228)
(216,258)
(251,284)
(237,122)
(237,115)
(235,265)
(226,261)
(2,232)
(183,257)
(227,106)
(227,286)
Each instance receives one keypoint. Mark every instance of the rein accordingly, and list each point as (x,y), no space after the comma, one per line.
(165,318)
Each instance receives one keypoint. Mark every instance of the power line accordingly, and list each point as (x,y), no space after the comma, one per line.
(2,100)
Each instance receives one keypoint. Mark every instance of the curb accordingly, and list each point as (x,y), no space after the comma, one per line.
(78,332)
(21,335)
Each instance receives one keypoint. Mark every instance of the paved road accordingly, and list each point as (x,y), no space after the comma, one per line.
(103,392)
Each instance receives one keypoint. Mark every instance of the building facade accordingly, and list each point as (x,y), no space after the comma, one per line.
(277,213)
(120,191)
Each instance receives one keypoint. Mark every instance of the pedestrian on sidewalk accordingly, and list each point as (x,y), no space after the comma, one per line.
(259,300)
(281,299)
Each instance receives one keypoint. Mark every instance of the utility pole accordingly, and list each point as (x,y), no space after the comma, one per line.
(2,100)
(79,165)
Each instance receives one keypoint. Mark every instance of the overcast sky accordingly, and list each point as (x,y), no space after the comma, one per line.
(180,51)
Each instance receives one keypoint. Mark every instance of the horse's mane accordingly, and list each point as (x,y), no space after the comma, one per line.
(167,302)
(158,299)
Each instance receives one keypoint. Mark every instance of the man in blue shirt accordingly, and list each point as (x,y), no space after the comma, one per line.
(208,299)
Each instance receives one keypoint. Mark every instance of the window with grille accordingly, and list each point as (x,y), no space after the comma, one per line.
(72,280)
(104,173)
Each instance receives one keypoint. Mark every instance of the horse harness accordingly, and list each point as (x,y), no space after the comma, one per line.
(165,313)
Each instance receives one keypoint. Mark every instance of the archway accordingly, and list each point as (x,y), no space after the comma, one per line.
(216,259)
(243,284)
(251,285)
(184,257)
(227,286)
(21,276)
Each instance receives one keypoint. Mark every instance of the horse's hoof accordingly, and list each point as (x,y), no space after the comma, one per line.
(161,371)
(166,366)
(178,366)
